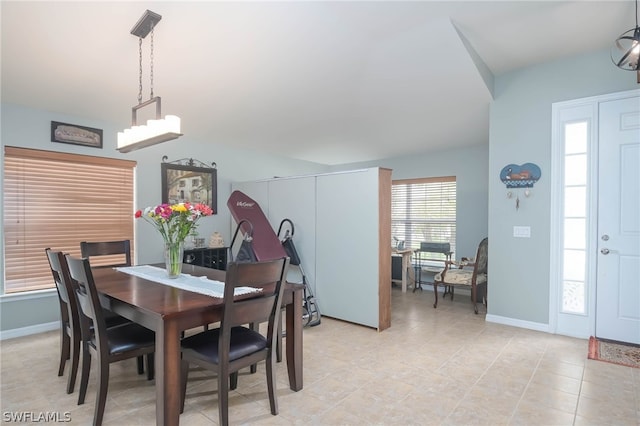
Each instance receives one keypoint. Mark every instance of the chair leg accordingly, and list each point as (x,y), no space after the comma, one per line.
(271,385)
(184,376)
(223,396)
(448,289)
(84,375)
(101,397)
(75,360)
(65,343)
(254,367)
(473,297)
(435,293)
(233,380)
(151,370)
(279,340)
(140,360)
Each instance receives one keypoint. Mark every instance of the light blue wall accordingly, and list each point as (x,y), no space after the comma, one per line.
(520,133)
(30,128)
(470,166)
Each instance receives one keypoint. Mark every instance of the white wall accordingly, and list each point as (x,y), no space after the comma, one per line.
(521,133)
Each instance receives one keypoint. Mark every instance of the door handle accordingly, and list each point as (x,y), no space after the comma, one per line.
(604,251)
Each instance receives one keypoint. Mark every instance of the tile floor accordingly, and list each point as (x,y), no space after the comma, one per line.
(442,366)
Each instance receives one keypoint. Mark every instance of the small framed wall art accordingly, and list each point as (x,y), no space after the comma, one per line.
(76,135)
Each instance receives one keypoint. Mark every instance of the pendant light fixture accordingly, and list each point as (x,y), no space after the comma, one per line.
(160,129)
(626,49)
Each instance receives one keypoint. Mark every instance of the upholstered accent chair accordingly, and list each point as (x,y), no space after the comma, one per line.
(467,273)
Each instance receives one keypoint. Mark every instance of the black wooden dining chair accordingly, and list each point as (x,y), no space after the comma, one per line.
(108,345)
(70,333)
(109,254)
(232,346)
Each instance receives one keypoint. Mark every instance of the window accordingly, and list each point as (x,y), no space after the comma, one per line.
(575,217)
(57,200)
(424,210)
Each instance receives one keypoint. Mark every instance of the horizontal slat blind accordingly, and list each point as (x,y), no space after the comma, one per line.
(424,210)
(57,200)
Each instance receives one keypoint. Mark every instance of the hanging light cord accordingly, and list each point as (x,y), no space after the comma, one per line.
(140,78)
(151,61)
(140,67)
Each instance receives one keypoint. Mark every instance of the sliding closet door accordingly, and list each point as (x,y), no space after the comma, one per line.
(347,224)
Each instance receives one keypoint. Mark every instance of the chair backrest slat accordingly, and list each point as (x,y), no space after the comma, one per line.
(108,249)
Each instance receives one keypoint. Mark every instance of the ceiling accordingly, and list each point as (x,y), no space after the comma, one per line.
(328,82)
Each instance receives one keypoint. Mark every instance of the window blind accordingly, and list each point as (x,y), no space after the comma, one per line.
(424,210)
(57,200)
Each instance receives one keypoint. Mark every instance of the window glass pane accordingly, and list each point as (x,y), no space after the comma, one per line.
(575,137)
(573,297)
(574,234)
(574,265)
(575,201)
(575,169)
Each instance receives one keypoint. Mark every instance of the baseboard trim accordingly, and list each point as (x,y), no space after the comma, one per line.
(530,325)
(27,331)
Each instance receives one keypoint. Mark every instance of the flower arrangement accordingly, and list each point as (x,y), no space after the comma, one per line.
(174,222)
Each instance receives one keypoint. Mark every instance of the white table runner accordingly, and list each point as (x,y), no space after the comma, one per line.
(201,285)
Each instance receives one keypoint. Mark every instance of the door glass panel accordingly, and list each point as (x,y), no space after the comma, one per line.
(575,201)
(575,169)
(575,138)
(573,297)
(574,233)
(575,173)
(574,265)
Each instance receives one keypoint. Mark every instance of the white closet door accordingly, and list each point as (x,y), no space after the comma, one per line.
(295,199)
(347,249)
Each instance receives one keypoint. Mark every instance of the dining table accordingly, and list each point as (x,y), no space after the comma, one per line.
(169,311)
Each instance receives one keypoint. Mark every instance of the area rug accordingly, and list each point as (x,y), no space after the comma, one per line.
(615,353)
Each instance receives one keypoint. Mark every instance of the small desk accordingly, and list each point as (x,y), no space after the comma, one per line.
(430,247)
(168,311)
(406,265)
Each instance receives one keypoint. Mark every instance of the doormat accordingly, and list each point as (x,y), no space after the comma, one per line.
(615,353)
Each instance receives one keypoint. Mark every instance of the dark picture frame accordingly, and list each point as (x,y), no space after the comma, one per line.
(76,135)
(184,183)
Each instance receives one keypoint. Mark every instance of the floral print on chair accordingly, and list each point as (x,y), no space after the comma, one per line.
(461,277)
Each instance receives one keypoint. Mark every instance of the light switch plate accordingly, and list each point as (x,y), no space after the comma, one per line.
(522,231)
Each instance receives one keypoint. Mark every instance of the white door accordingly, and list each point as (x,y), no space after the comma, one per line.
(618,266)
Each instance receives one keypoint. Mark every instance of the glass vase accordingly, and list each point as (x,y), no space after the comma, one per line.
(173,255)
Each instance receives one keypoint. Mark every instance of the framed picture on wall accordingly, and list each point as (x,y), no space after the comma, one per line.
(189,183)
(76,135)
